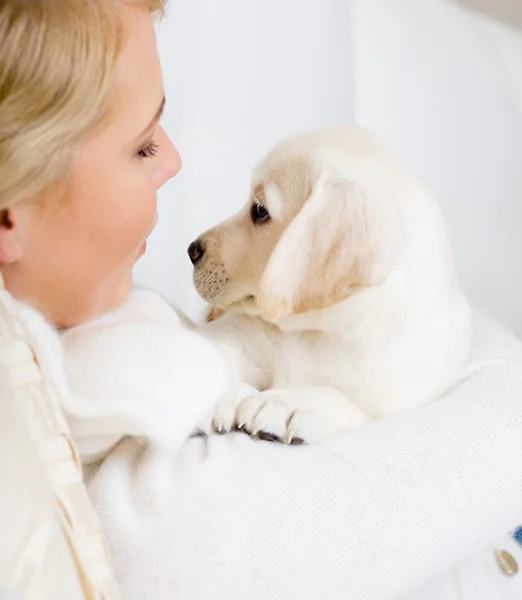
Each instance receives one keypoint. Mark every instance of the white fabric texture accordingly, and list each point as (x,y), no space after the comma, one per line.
(138,371)
(34,557)
(371,515)
(441,85)
(50,537)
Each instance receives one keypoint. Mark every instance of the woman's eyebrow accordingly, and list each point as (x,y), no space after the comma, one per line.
(154,120)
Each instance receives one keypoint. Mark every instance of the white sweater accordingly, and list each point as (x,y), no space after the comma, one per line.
(377,514)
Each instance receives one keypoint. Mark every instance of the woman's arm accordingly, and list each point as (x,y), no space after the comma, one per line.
(369,515)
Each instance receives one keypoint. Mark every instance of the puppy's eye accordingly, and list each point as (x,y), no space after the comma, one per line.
(259,213)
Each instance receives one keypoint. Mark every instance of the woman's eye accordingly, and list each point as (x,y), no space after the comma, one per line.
(149,150)
(259,213)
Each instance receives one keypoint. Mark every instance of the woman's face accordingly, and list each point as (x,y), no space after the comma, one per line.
(72,256)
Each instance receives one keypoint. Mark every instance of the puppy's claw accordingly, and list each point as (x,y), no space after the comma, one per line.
(297,441)
(198,433)
(266,436)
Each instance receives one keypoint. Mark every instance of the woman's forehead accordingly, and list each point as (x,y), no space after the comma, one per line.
(138,78)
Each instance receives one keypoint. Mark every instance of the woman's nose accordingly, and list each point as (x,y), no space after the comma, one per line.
(169,163)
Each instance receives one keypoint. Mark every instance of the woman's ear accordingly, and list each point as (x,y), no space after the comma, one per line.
(342,240)
(10,238)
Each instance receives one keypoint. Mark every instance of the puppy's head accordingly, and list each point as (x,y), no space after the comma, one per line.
(315,230)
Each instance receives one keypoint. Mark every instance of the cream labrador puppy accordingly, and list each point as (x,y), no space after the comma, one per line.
(338,281)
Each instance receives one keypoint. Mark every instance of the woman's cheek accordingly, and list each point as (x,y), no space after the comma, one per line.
(137,214)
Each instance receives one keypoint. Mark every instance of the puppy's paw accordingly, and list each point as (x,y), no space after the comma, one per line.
(222,418)
(296,418)
(269,416)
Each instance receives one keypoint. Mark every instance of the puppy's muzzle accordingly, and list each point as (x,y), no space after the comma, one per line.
(196,250)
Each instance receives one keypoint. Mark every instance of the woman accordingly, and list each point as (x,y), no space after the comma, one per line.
(373,515)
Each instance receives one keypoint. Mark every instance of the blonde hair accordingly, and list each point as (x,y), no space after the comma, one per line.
(57,59)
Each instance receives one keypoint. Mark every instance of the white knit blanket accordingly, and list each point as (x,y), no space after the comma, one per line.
(412,506)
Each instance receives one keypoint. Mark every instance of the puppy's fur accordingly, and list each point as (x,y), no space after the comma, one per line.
(343,303)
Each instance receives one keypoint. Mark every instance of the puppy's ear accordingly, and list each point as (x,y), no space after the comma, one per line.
(343,239)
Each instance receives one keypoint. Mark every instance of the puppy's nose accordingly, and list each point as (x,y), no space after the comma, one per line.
(196,251)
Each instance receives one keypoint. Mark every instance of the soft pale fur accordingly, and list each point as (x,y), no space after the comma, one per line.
(344,305)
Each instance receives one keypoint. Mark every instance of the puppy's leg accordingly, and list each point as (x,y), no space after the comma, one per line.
(296,416)
(246,344)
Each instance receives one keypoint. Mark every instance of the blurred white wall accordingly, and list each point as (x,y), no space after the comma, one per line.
(442,85)
(509,11)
